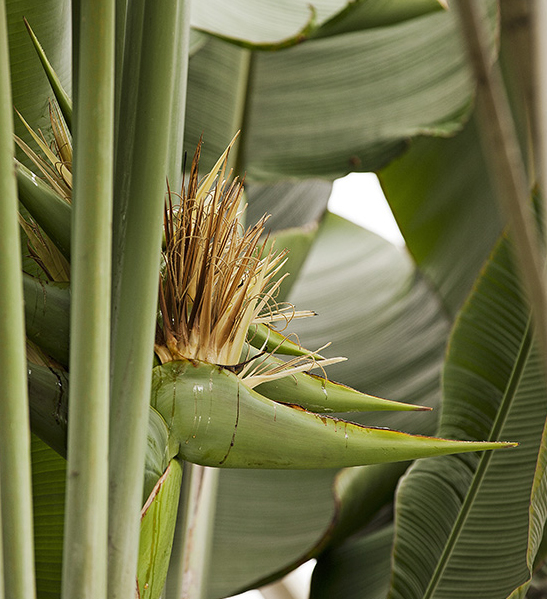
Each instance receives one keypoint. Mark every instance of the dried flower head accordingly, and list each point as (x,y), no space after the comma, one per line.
(217,278)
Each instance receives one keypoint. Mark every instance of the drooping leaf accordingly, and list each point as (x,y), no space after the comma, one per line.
(48,494)
(411,78)
(264,24)
(471,514)
(335,572)
(51,22)
(291,204)
(62,97)
(367,14)
(446,209)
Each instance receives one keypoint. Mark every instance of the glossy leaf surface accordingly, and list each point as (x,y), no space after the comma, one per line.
(411,78)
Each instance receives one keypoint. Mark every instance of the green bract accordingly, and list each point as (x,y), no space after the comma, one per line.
(218,421)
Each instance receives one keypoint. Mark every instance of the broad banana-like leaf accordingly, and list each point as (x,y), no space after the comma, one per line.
(48,497)
(47,316)
(48,209)
(369,555)
(298,241)
(446,210)
(364,15)
(273,25)
(220,422)
(158,518)
(362,493)
(51,21)
(63,99)
(470,526)
(411,78)
(291,204)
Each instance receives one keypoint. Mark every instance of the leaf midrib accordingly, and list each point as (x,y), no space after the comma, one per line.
(501,417)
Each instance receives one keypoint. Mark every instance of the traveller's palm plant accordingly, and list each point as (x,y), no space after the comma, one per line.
(219,396)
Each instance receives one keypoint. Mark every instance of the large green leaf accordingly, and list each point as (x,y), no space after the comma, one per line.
(334,574)
(48,493)
(446,209)
(273,24)
(50,20)
(376,13)
(290,204)
(354,99)
(463,523)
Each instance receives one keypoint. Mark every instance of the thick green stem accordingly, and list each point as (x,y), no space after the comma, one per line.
(140,185)
(189,568)
(86,516)
(15,478)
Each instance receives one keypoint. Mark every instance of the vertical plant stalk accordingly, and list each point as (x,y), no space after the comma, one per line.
(86,516)
(136,258)
(121,14)
(189,568)
(15,477)
(505,161)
